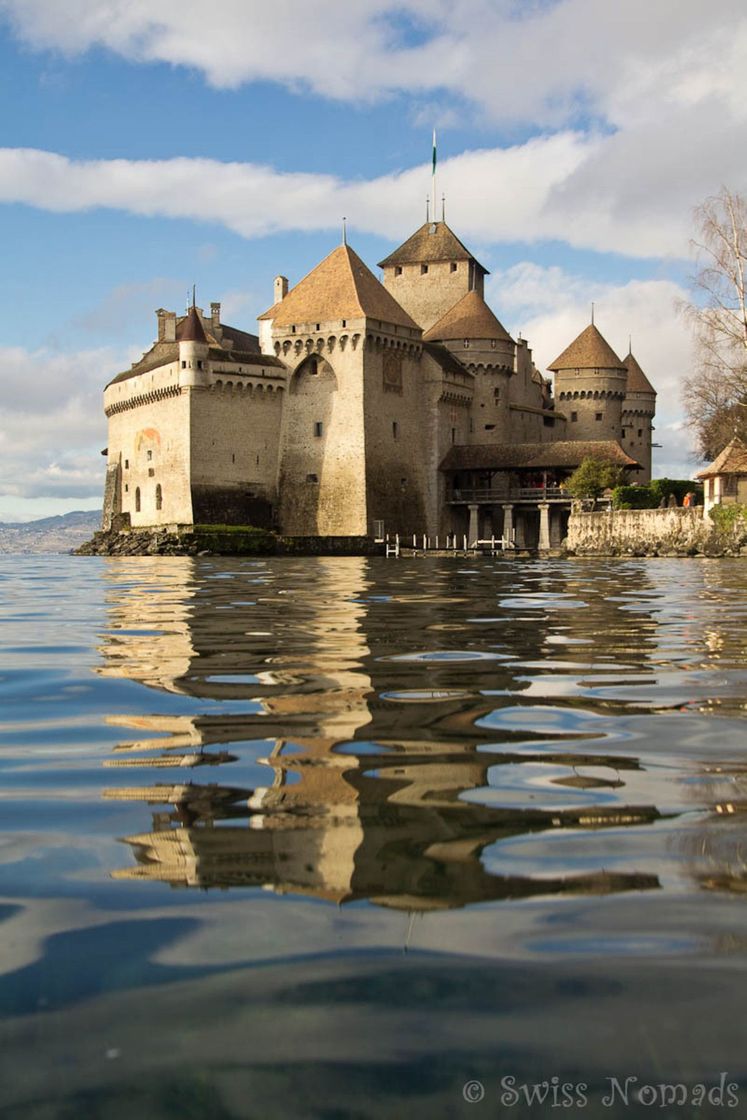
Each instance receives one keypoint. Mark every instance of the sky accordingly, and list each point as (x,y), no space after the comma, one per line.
(148,145)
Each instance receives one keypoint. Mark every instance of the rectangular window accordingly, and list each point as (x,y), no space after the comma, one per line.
(127,488)
(318,428)
(395,429)
(597,415)
(311,478)
(574,417)
(150,456)
(490,427)
(151,472)
(453,266)
(640,432)
(423,269)
(496,394)
(127,464)
(453,435)
(398,270)
(184,365)
(199,363)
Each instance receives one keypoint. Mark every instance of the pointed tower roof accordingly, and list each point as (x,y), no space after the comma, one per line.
(191,329)
(470,317)
(637,380)
(434,241)
(340,287)
(589,351)
(732,460)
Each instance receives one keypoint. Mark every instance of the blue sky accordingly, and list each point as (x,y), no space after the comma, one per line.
(146,147)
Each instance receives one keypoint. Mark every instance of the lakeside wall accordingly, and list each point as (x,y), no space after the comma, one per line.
(651,532)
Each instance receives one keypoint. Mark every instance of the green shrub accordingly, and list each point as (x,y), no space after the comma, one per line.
(726,517)
(592,478)
(649,495)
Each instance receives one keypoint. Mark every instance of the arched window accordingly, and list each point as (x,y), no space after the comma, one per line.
(159,496)
(137,499)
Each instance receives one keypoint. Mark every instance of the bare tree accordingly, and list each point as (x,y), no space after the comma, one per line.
(716,392)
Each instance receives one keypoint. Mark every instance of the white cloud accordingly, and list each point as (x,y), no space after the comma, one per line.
(665,84)
(522,193)
(550,307)
(52,427)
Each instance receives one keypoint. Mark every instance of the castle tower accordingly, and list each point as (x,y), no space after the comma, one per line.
(590,387)
(352,441)
(193,350)
(471,332)
(638,412)
(431,272)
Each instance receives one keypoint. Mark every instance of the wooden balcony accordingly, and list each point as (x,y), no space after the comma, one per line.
(502,495)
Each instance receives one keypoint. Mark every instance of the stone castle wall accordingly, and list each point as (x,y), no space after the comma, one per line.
(639,532)
(427,296)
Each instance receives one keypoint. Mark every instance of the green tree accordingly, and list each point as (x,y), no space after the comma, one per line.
(715,393)
(591,478)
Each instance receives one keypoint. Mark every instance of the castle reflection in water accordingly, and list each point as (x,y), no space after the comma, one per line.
(377,754)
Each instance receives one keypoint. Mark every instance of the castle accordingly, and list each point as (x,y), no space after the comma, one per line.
(366,407)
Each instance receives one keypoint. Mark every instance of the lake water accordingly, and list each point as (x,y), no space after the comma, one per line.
(337,837)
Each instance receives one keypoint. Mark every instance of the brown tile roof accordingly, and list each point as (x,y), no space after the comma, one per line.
(242,340)
(536,456)
(589,351)
(470,317)
(163,353)
(271,312)
(190,329)
(341,287)
(732,460)
(434,241)
(637,380)
(448,362)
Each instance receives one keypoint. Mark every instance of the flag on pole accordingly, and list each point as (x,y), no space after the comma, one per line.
(433,180)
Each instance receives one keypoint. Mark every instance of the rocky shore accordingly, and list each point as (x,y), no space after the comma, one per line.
(220,540)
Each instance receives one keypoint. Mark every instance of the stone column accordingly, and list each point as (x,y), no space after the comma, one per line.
(544,537)
(520,535)
(474,529)
(508,526)
(556,522)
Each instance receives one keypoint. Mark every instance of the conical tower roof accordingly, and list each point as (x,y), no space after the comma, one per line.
(340,287)
(470,317)
(732,460)
(191,329)
(434,241)
(637,380)
(589,351)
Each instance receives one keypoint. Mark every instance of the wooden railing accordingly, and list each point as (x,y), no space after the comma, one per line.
(503,494)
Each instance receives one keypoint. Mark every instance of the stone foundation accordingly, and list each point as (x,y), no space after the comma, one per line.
(651,532)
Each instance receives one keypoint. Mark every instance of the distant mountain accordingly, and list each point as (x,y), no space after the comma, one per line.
(61,533)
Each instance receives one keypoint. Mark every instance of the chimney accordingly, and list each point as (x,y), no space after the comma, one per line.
(215,317)
(281,288)
(166,325)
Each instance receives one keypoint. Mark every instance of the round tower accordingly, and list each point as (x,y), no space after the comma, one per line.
(639,408)
(479,340)
(590,387)
(193,349)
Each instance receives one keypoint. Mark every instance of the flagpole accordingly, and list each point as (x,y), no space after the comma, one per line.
(433,179)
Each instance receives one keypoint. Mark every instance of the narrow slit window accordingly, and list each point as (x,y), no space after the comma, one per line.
(137,499)
(159,496)
(318,428)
